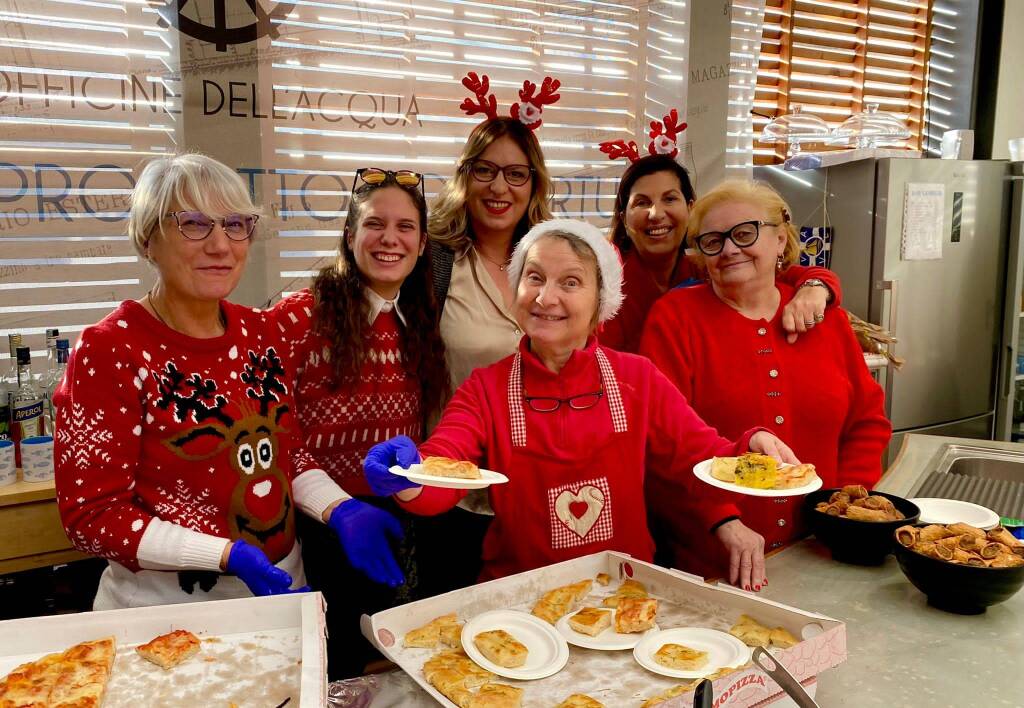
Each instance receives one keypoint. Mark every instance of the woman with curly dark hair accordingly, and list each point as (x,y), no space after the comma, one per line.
(370,365)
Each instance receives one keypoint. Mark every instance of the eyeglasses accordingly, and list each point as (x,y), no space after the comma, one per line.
(546,404)
(487,171)
(373,177)
(743,235)
(196,226)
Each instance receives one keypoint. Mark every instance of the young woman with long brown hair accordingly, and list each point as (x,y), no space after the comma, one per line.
(370,365)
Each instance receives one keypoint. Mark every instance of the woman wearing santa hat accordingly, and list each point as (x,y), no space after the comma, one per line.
(572,424)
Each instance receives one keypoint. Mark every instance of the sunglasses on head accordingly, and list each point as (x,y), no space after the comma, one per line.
(372,177)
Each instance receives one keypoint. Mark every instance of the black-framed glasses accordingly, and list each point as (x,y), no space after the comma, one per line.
(196,226)
(744,235)
(372,177)
(487,171)
(550,404)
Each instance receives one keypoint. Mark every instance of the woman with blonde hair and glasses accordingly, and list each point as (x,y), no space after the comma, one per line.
(370,365)
(725,346)
(174,453)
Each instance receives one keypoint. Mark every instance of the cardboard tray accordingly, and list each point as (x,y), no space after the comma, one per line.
(255,651)
(614,678)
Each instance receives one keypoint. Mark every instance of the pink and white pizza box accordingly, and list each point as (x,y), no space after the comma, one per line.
(614,677)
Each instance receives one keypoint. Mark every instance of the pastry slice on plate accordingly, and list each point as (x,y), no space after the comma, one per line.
(635,615)
(591,621)
(502,648)
(677,656)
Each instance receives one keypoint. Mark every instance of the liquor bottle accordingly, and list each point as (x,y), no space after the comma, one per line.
(27,404)
(51,352)
(8,387)
(53,381)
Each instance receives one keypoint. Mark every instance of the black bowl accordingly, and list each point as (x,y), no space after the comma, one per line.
(964,589)
(852,541)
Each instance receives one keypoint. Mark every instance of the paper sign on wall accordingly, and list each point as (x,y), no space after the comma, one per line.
(922,221)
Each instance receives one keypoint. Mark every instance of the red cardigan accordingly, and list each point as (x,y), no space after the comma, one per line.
(817,395)
(641,291)
(671,437)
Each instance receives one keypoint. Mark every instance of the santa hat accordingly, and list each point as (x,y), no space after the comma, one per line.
(608,263)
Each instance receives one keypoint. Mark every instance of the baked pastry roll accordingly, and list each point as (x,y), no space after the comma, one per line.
(907,536)
(445,628)
(579,700)
(855,491)
(677,656)
(447,467)
(629,588)
(502,648)
(591,621)
(635,614)
(558,602)
(934,532)
(860,513)
(961,528)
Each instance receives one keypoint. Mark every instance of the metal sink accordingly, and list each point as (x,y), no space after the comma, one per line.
(991,477)
(983,463)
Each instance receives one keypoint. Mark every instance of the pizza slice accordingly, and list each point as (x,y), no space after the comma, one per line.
(169,650)
(75,678)
(629,589)
(30,684)
(558,602)
(635,614)
(437,629)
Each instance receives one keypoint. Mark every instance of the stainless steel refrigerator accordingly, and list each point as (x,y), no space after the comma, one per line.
(946,312)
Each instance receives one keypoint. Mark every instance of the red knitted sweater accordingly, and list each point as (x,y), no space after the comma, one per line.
(339,425)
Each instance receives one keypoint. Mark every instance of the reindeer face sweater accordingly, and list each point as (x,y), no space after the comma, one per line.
(155,426)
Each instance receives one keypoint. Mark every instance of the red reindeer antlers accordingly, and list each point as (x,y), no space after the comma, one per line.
(615,149)
(529,112)
(486,103)
(663,140)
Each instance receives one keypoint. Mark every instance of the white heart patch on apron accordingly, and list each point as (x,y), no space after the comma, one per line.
(568,504)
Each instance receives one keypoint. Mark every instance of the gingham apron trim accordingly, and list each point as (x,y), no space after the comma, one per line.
(516,404)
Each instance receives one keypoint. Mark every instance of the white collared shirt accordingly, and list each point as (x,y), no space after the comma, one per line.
(379,305)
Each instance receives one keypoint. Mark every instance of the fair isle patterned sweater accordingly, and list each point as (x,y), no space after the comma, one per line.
(168,447)
(339,425)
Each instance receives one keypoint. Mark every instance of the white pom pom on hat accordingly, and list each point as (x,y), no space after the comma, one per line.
(608,261)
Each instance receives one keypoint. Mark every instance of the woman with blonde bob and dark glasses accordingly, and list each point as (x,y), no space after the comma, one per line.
(724,344)
(370,365)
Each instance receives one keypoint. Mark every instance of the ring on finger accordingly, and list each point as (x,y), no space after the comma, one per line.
(819,317)
(810,323)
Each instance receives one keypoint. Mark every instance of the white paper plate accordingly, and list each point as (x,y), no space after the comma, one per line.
(414,474)
(702,471)
(608,640)
(724,650)
(548,650)
(951,511)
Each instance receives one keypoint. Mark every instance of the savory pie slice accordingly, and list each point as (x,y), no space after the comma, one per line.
(579,700)
(635,614)
(677,656)
(751,632)
(756,471)
(780,637)
(502,648)
(427,636)
(629,588)
(591,621)
(496,695)
(794,476)
(447,467)
(724,468)
(169,650)
(558,602)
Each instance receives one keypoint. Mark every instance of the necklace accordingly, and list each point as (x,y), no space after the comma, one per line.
(152,303)
(502,266)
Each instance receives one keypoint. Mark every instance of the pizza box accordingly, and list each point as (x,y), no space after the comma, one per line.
(256,652)
(614,677)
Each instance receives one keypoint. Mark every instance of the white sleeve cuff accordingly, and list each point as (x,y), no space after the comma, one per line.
(314,491)
(167,546)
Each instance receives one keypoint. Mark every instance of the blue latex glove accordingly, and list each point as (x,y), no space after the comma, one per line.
(254,569)
(399,450)
(364,530)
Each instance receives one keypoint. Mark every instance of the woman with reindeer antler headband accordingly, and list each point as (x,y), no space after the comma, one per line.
(174,453)
(500,189)
(652,207)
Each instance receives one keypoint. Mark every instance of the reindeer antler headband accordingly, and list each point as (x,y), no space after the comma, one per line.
(529,112)
(663,140)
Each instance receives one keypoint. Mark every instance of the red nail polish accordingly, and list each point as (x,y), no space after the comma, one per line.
(746,587)
(757,587)
(765,581)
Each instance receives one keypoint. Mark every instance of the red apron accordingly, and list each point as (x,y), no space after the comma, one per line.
(586,504)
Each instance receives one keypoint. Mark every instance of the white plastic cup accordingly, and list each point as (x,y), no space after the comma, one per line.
(1016,146)
(37,458)
(8,473)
